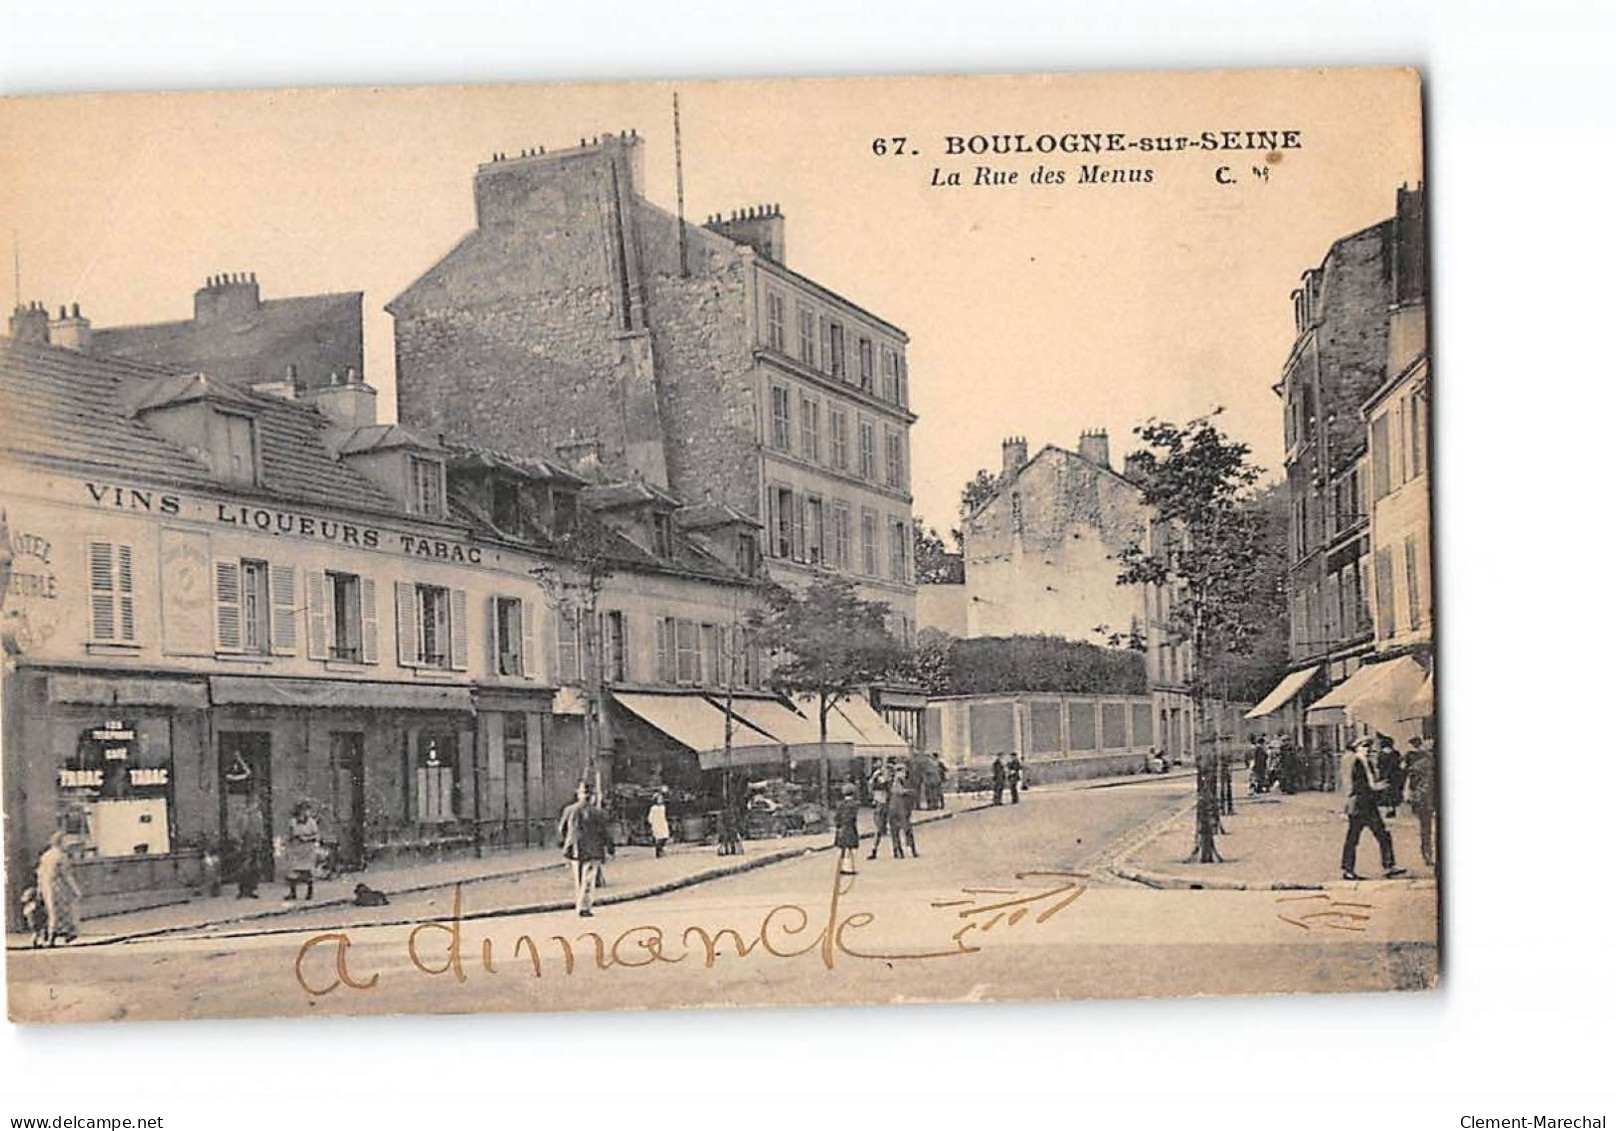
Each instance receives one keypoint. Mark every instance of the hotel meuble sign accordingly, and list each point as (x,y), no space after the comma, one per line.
(280,523)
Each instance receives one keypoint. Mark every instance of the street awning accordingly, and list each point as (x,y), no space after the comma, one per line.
(266,692)
(125,691)
(800,735)
(1376,696)
(1423,705)
(695,723)
(1284,691)
(854,720)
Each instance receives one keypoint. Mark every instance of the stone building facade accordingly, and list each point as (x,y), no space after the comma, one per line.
(1351,326)
(222,601)
(580,318)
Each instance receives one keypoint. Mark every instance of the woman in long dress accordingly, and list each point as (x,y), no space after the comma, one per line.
(60,890)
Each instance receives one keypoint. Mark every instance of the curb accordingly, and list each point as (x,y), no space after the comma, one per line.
(694,879)
(1172,881)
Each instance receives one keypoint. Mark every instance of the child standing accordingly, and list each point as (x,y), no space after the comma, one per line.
(302,850)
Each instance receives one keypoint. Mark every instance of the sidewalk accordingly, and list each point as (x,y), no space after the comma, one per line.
(512,882)
(520,882)
(1275,841)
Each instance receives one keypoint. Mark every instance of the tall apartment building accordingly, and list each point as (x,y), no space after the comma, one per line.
(579,318)
(1344,311)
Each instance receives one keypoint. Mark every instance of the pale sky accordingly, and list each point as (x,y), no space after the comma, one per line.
(1032,309)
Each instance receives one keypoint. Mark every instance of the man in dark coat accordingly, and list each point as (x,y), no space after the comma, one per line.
(1389,761)
(998,779)
(1259,764)
(1363,812)
(1012,776)
(898,810)
(585,840)
(1422,794)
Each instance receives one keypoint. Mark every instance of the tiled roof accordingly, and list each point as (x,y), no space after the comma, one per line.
(610,496)
(65,410)
(380,437)
(704,516)
(462,455)
(320,333)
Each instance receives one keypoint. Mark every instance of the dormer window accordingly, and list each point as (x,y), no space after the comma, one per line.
(233,447)
(426,487)
(565,504)
(746,545)
(507,506)
(661,534)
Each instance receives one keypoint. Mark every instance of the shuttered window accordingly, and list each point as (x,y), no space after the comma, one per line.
(687,646)
(112,592)
(227,606)
(569,658)
(664,650)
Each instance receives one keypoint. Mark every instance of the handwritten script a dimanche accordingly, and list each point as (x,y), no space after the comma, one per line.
(437,948)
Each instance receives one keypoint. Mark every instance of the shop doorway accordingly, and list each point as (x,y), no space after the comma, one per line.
(515,808)
(247,817)
(348,755)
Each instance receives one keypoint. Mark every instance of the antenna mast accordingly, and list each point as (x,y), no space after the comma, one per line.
(679,178)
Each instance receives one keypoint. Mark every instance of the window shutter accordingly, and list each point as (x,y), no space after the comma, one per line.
(103,615)
(126,593)
(664,649)
(527,639)
(799,527)
(283,609)
(458,644)
(491,613)
(409,626)
(227,605)
(369,651)
(317,582)
(624,665)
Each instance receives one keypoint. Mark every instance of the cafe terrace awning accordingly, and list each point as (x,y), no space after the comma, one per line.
(259,691)
(1284,691)
(694,722)
(1375,696)
(799,734)
(854,720)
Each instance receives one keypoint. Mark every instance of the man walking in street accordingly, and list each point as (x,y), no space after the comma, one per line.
(1259,765)
(585,839)
(1422,794)
(898,811)
(998,779)
(881,800)
(1363,812)
(1012,776)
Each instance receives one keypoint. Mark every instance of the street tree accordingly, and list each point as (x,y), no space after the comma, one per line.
(826,642)
(935,563)
(572,580)
(1204,546)
(978,491)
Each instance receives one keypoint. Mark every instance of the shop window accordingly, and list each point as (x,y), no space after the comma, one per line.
(115,790)
(112,593)
(437,777)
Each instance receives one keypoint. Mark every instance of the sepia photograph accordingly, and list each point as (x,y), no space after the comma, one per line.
(461,556)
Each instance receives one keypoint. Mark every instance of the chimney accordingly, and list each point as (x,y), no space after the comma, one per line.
(582,457)
(345,400)
(226,296)
(1015,454)
(30,324)
(761,227)
(70,330)
(530,188)
(1095,446)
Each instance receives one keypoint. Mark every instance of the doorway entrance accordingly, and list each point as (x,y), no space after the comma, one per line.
(348,756)
(246,813)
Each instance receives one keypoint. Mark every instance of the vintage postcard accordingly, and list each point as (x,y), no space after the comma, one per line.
(760,543)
